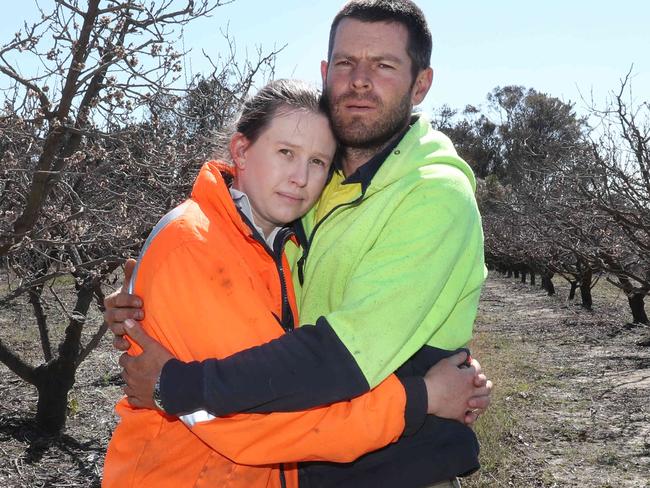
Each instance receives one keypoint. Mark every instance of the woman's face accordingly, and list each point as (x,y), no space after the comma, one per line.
(283,172)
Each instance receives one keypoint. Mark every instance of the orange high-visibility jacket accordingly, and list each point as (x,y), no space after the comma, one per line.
(211,289)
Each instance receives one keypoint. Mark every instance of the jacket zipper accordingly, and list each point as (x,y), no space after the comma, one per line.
(287,322)
(307,245)
(281,238)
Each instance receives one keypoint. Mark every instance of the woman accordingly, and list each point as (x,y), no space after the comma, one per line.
(218,259)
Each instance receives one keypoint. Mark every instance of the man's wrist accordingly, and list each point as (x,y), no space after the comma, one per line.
(181,387)
(157,397)
(415,410)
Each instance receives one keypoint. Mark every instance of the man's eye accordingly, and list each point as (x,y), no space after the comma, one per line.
(286,152)
(318,162)
(385,66)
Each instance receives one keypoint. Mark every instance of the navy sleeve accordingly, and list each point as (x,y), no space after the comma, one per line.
(417,403)
(304,368)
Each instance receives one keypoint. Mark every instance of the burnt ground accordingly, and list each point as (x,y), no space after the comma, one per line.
(574,407)
(570,407)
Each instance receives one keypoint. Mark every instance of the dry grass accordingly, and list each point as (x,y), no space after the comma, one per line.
(570,403)
(507,366)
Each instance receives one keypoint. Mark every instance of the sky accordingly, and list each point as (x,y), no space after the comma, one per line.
(570,49)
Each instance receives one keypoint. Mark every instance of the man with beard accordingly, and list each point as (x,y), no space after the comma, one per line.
(388,276)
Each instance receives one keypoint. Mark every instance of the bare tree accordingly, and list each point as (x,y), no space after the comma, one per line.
(618,184)
(94,148)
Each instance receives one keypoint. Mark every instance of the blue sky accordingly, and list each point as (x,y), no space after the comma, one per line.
(562,48)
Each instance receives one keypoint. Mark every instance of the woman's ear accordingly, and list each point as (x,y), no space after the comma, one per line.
(239,144)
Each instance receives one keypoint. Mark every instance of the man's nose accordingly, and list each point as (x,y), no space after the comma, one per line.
(360,77)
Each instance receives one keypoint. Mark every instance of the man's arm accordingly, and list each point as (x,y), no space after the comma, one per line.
(340,432)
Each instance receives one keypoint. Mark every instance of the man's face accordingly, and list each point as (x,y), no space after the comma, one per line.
(369,83)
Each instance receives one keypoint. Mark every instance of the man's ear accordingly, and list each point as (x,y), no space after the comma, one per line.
(421,86)
(238,146)
(323,73)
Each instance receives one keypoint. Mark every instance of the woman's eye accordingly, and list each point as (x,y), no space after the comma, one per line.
(318,162)
(286,152)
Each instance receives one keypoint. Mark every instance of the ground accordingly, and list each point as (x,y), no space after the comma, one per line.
(570,407)
(571,404)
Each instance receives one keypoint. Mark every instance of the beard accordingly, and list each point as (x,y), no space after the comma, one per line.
(358,132)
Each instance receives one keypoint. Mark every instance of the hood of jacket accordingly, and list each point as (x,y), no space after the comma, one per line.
(421,148)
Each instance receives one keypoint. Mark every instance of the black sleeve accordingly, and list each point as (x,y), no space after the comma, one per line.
(305,368)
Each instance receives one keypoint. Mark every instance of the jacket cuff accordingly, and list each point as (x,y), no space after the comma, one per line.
(415,412)
(181,385)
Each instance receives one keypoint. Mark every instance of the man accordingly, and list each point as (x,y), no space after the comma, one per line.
(390,271)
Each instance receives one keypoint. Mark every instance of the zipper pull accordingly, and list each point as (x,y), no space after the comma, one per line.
(301,273)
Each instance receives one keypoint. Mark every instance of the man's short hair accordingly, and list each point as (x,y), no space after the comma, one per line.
(404,12)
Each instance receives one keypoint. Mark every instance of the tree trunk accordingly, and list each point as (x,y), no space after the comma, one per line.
(523,276)
(516,273)
(53,382)
(509,274)
(532,278)
(585,289)
(547,284)
(54,379)
(639,315)
(572,291)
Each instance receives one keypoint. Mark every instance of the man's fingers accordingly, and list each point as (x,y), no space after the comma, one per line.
(458,359)
(116,315)
(480,380)
(482,398)
(125,300)
(137,334)
(128,391)
(476,365)
(117,328)
(129,266)
(471,417)
(125,360)
(479,399)
(480,403)
(108,300)
(122,299)
(134,401)
(121,344)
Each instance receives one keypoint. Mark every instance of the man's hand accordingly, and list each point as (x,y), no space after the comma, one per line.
(121,306)
(481,400)
(455,392)
(141,372)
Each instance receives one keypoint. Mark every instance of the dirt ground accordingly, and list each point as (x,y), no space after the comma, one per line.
(580,390)
(573,402)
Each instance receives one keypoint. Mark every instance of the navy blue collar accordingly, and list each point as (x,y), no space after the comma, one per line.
(366,172)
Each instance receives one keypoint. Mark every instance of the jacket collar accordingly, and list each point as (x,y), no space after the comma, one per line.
(242,202)
(364,174)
